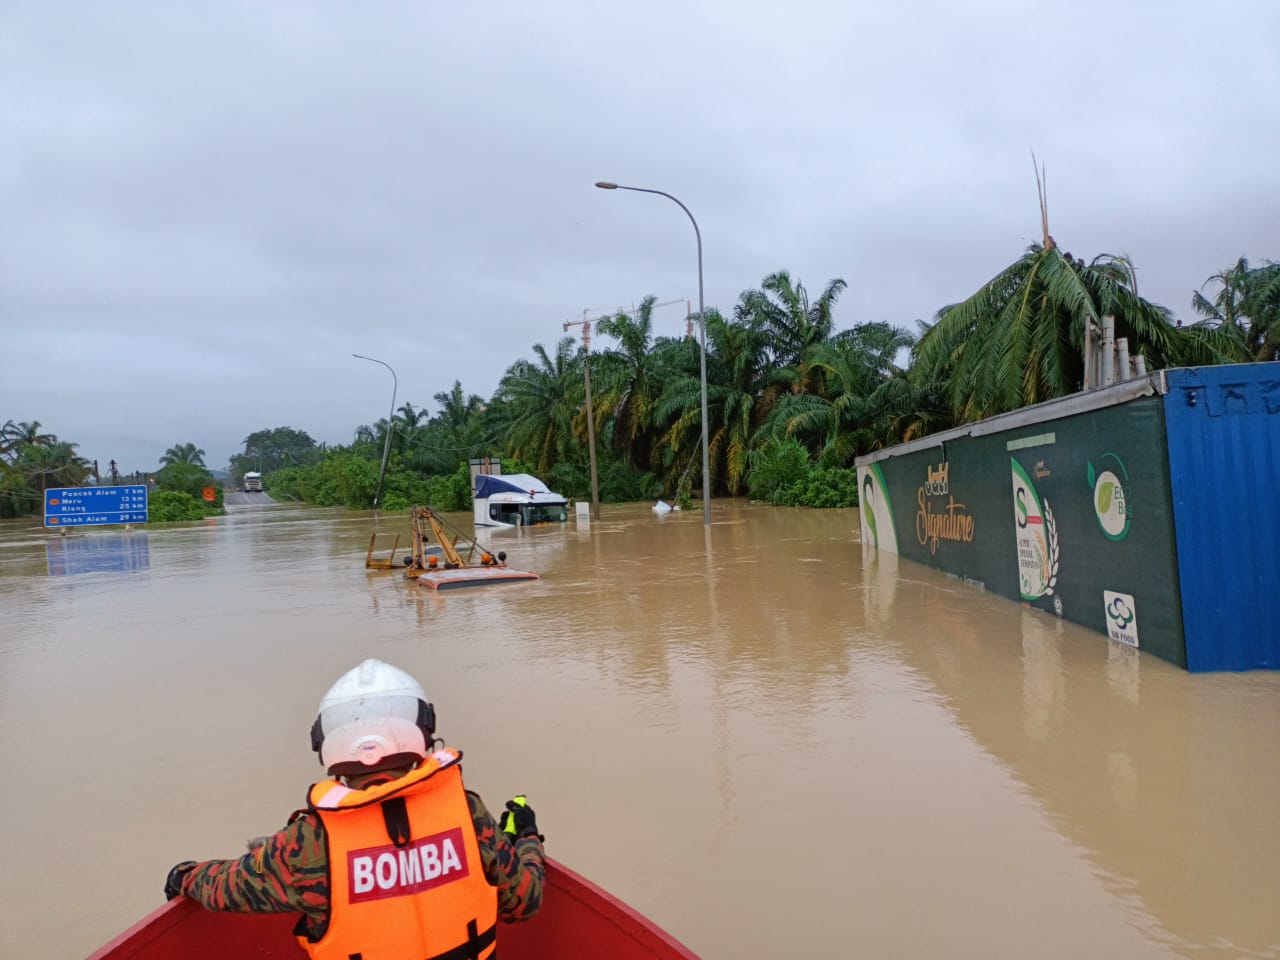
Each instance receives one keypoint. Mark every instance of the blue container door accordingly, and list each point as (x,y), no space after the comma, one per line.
(1223,427)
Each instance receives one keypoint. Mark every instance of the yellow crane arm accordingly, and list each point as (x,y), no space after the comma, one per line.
(451,556)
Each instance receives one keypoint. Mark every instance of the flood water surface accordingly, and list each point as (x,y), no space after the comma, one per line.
(767,744)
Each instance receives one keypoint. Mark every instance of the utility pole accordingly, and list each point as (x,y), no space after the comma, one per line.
(115,476)
(585,323)
(591,416)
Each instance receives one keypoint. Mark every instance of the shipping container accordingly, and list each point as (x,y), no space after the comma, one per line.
(1148,511)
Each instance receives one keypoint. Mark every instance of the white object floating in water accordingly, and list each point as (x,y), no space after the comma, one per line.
(661,508)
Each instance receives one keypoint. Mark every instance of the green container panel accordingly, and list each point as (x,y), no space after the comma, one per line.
(1068,513)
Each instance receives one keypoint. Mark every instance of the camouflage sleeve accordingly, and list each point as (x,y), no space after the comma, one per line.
(516,869)
(286,873)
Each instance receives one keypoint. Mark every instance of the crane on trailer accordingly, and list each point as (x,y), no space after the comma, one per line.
(422,557)
(442,566)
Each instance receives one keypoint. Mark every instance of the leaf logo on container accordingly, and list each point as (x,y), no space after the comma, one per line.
(1111,497)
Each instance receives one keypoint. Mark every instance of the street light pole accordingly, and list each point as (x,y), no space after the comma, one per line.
(386,446)
(591,416)
(702,325)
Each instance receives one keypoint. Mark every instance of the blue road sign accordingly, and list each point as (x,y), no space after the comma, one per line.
(94,506)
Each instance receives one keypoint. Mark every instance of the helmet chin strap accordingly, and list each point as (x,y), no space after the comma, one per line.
(427,721)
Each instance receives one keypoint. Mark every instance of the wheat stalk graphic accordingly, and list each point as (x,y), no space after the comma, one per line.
(1051,529)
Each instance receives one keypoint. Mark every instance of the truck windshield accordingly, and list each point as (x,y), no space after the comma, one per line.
(546,513)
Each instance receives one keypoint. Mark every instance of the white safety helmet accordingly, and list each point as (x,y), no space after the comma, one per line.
(375,717)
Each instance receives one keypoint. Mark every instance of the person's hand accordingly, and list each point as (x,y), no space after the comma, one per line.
(173,882)
(519,820)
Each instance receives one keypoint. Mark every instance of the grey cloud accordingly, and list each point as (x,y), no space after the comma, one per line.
(253,192)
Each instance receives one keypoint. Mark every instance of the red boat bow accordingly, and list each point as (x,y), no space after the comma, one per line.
(578,921)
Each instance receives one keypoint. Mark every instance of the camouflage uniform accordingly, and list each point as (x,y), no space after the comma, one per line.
(289,872)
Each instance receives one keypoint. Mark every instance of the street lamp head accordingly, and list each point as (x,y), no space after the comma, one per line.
(606,185)
(565,326)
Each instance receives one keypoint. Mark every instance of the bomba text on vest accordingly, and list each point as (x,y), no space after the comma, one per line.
(377,872)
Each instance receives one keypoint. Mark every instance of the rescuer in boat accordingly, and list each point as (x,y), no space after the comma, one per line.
(392,857)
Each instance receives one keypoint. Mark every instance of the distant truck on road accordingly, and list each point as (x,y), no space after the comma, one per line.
(253,482)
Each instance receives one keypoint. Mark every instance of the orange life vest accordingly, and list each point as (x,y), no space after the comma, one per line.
(405,877)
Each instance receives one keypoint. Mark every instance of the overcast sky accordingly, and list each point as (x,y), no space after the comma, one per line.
(205,209)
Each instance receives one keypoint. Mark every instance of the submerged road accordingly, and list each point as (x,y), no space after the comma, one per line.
(240,498)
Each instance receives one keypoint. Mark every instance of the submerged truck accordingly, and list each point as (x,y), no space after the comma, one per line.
(252,482)
(513,499)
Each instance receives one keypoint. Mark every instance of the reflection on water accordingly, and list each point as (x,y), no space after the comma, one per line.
(769,741)
(1044,685)
(101,553)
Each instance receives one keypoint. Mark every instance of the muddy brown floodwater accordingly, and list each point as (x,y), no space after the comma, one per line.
(765,743)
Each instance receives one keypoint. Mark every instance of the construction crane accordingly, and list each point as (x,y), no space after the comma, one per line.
(585,322)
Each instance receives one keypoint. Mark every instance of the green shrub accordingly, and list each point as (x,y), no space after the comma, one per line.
(820,487)
(404,485)
(452,493)
(173,506)
(289,483)
(620,482)
(192,480)
(777,465)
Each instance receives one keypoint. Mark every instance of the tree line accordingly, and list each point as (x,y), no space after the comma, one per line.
(791,400)
(32,462)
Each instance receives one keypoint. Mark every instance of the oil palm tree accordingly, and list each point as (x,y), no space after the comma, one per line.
(405,425)
(913,402)
(631,378)
(14,437)
(742,385)
(539,401)
(458,413)
(1247,299)
(1262,305)
(411,416)
(8,439)
(781,307)
(53,465)
(1225,306)
(847,417)
(1020,338)
(452,435)
(183,453)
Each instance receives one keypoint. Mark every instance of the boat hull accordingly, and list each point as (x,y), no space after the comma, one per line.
(578,921)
